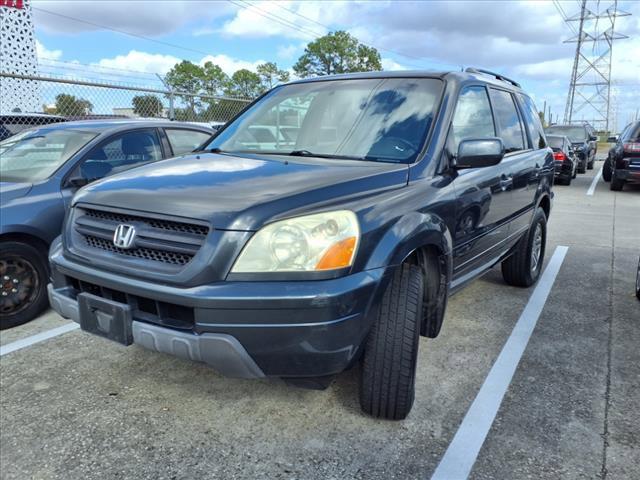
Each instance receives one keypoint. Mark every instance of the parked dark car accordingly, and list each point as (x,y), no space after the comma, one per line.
(638,281)
(582,142)
(623,161)
(296,261)
(41,169)
(564,157)
(13,123)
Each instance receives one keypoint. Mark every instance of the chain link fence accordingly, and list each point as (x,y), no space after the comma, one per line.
(32,100)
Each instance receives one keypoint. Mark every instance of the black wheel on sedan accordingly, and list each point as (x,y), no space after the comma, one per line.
(523,267)
(23,278)
(606,170)
(387,386)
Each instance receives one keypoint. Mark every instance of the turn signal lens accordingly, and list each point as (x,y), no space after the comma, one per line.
(338,255)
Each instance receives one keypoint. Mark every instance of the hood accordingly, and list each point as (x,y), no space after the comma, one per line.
(241,192)
(10,191)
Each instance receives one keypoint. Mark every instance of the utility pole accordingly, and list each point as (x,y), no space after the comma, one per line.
(590,86)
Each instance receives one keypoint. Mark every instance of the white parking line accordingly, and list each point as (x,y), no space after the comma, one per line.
(37,338)
(594,182)
(463,450)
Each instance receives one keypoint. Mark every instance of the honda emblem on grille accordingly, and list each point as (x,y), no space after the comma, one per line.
(124,236)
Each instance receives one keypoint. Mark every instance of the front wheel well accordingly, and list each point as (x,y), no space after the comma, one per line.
(545,204)
(434,266)
(29,239)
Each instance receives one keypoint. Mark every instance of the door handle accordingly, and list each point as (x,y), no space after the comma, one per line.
(506,182)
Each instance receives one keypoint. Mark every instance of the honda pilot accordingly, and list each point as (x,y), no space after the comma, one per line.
(334,239)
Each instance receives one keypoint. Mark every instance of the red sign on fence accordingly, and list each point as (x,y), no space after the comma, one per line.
(12,3)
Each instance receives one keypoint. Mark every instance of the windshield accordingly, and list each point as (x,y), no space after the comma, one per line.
(383,120)
(575,134)
(37,154)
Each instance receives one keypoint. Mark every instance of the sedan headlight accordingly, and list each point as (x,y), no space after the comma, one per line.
(323,241)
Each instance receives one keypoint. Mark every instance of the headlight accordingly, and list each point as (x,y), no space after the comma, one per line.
(324,241)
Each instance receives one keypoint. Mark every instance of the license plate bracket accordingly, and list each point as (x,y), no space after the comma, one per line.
(105,318)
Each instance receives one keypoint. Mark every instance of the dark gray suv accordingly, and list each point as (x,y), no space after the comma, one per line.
(298,254)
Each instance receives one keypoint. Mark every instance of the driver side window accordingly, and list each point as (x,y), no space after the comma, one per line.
(473,118)
(122,152)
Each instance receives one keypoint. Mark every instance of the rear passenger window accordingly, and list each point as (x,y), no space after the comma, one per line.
(532,118)
(473,116)
(185,141)
(508,121)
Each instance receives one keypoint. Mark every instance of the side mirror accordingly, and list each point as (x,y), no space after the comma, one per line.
(476,153)
(77,182)
(613,139)
(593,138)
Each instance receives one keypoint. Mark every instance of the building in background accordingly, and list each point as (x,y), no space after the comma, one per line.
(18,57)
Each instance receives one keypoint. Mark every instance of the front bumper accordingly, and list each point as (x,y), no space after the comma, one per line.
(247,329)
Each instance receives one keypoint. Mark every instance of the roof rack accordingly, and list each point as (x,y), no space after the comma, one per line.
(493,74)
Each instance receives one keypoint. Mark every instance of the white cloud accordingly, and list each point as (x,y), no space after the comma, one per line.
(136,16)
(141,62)
(390,64)
(230,65)
(288,52)
(44,53)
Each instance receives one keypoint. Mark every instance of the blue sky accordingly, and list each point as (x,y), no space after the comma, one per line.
(522,39)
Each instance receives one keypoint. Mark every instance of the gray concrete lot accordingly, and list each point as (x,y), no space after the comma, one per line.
(77,406)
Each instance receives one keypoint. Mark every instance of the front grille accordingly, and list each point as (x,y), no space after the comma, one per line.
(153,222)
(157,240)
(146,253)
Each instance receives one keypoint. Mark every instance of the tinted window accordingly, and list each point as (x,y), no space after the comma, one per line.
(123,152)
(366,119)
(508,121)
(185,141)
(632,133)
(473,116)
(532,119)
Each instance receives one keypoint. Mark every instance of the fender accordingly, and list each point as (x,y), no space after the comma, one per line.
(27,230)
(411,232)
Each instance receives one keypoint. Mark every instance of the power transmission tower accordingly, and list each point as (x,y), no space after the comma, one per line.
(590,88)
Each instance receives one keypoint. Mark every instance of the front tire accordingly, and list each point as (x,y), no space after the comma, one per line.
(606,170)
(387,386)
(23,282)
(523,267)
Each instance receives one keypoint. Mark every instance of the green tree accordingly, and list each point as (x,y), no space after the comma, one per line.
(189,78)
(337,52)
(244,83)
(70,105)
(270,75)
(147,106)
(214,80)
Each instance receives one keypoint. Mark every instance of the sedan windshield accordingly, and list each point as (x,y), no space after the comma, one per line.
(383,120)
(575,134)
(36,155)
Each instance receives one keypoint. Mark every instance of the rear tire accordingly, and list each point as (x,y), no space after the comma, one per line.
(616,184)
(606,170)
(523,267)
(23,283)
(387,386)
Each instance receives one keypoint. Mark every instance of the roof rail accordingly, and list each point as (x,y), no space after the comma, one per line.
(493,74)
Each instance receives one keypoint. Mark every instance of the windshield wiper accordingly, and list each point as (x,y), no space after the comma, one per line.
(307,153)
